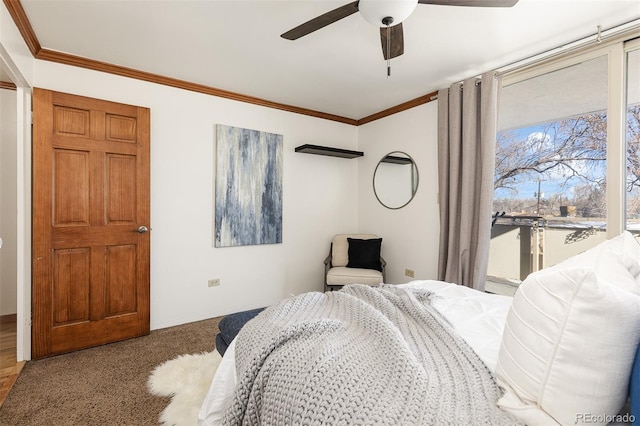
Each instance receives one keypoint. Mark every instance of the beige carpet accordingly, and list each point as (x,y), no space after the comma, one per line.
(106,385)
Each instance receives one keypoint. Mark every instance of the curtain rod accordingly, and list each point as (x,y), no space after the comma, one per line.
(596,38)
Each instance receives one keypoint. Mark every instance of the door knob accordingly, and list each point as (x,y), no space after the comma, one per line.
(142,229)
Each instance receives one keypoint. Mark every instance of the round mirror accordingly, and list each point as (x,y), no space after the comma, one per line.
(395,180)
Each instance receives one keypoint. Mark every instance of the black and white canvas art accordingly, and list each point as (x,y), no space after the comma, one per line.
(248,187)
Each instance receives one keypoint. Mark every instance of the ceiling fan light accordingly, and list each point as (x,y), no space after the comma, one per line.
(374,11)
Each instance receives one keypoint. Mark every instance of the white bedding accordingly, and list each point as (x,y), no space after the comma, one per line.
(478,317)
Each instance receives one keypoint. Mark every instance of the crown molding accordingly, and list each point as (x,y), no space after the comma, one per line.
(78,61)
(28,34)
(24,26)
(7,85)
(399,108)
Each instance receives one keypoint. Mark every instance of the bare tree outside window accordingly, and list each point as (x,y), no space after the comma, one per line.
(633,162)
(566,159)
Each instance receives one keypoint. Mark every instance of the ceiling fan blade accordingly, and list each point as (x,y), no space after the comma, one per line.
(473,3)
(397,41)
(321,21)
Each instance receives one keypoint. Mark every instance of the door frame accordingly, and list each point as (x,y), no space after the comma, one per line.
(23,242)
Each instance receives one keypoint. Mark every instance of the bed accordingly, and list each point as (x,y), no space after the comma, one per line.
(560,352)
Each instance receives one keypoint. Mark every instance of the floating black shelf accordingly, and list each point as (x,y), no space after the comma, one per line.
(396,160)
(327,150)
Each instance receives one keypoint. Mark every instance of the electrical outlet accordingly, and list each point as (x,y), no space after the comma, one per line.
(410,273)
(214,282)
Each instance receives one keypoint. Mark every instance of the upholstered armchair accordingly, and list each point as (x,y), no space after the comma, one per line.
(354,259)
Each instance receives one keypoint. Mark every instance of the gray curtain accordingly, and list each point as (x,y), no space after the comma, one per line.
(467,121)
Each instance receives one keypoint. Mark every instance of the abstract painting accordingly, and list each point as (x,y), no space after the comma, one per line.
(248,197)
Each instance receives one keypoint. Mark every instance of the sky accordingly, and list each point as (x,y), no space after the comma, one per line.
(527,185)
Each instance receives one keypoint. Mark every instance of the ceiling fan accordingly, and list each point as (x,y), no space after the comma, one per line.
(386,14)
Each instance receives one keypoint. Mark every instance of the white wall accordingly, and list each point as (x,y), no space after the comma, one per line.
(320,197)
(8,202)
(410,234)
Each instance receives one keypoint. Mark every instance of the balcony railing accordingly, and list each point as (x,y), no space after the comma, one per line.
(524,244)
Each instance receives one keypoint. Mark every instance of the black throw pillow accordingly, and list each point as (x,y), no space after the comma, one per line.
(364,254)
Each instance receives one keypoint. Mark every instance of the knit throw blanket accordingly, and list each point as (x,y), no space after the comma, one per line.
(360,356)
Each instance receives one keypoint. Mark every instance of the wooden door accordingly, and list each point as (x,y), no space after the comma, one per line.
(90,210)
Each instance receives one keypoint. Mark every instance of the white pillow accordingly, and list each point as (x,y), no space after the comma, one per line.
(624,249)
(569,342)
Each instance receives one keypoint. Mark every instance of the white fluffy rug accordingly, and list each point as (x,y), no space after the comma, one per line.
(187,379)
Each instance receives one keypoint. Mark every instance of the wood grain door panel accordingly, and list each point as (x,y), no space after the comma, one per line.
(120,196)
(91,193)
(71,284)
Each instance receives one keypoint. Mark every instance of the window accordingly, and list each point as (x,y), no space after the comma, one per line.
(633,141)
(559,186)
